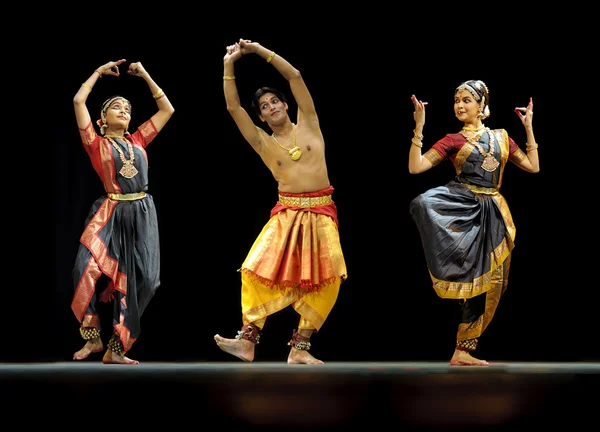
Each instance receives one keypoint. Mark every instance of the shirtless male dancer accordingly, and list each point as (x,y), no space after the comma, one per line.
(297,259)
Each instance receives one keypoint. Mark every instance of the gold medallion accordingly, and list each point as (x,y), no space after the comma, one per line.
(128,170)
(490,163)
(295,153)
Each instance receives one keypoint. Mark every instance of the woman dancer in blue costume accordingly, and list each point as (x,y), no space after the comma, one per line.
(466,227)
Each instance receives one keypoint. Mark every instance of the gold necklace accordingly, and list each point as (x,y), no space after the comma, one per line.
(128,170)
(294,152)
(472,135)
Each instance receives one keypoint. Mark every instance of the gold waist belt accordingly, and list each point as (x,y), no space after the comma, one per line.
(127,197)
(305,202)
(481,190)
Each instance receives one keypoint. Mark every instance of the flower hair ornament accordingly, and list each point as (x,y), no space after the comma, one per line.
(480,92)
(102,121)
(102,125)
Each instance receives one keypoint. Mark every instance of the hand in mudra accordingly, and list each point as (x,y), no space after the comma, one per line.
(247,46)
(233,52)
(136,69)
(111,68)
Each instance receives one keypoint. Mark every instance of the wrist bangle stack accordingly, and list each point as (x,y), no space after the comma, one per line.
(417,139)
(228,77)
(531,147)
(418,136)
(416,142)
(271,57)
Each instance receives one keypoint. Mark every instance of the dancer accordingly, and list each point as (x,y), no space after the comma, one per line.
(466,228)
(120,242)
(297,258)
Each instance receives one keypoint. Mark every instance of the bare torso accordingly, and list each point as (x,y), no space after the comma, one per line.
(307,174)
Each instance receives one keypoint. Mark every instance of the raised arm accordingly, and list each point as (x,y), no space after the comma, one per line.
(165,109)
(416,162)
(240,116)
(531,163)
(81,112)
(304,100)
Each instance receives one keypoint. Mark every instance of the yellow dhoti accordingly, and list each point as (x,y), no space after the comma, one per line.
(296,260)
(260,301)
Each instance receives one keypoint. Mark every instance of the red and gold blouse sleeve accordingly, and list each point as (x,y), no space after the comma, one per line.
(145,133)
(516,155)
(89,138)
(439,151)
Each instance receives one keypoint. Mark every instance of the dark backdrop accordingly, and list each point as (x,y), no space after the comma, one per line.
(213,194)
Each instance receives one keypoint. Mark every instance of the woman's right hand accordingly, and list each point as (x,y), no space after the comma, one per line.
(419,114)
(110,68)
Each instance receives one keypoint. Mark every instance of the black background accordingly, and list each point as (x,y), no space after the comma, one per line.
(213,193)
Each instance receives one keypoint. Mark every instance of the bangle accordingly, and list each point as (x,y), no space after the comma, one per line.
(228,77)
(271,57)
(418,136)
(98,72)
(531,147)
(87,86)
(157,94)
(161,96)
(416,143)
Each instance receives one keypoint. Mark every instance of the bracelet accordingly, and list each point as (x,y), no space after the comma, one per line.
(531,147)
(98,72)
(416,143)
(157,94)
(228,77)
(418,136)
(271,57)
(161,96)
(87,86)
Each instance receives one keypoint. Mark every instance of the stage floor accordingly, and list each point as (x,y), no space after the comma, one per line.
(276,396)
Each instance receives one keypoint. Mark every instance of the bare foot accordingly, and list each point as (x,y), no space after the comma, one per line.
(111,357)
(241,348)
(463,358)
(91,346)
(302,357)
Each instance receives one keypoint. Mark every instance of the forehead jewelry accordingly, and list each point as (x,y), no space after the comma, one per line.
(470,89)
(294,152)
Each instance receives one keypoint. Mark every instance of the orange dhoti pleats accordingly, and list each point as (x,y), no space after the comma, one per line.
(296,260)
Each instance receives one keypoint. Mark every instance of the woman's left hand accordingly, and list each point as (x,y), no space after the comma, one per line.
(526,114)
(137,69)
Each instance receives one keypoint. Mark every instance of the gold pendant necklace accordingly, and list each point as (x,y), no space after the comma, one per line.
(294,152)
(490,163)
(128,170)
